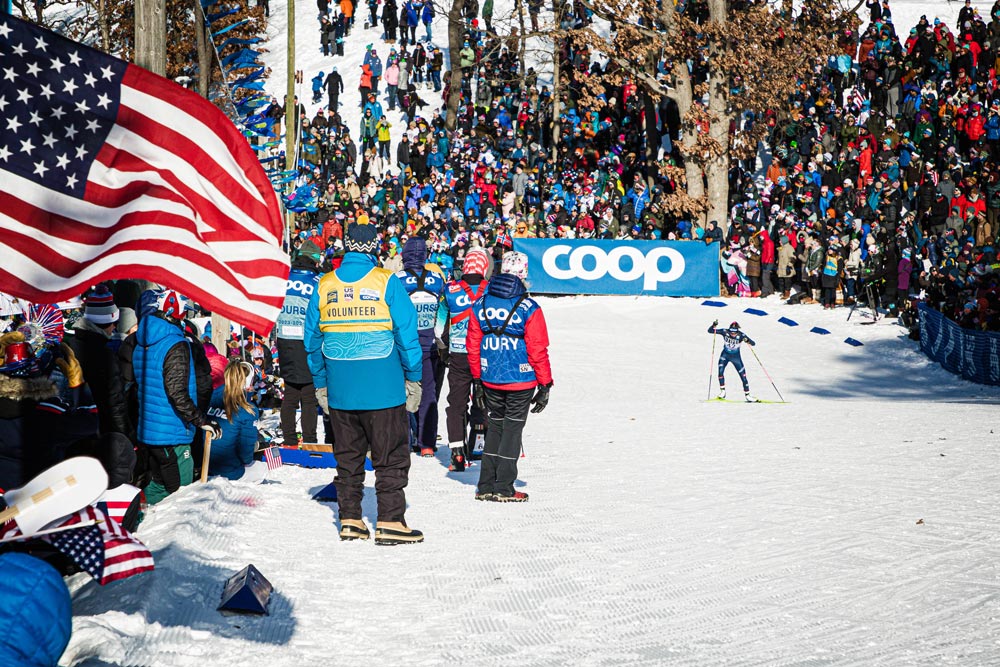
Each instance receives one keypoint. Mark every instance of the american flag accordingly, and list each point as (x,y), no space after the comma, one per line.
(272,455)
(99,546)
(110,171)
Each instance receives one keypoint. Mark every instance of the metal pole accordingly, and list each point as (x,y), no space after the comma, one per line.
(291,109)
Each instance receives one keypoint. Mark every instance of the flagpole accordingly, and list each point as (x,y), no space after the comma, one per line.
(291,109)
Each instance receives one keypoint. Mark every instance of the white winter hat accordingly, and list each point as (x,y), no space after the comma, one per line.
(516,264)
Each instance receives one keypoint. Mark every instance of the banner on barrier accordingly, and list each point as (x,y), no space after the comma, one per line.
(975,355)
(590,266)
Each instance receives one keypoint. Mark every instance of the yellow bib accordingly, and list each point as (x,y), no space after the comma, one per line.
(354,307)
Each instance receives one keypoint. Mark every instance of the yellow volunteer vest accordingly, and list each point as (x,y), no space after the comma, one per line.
(356,307)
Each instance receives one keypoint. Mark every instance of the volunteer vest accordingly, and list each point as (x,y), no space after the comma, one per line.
(503,353)
(460,297)
(300,287)
(354,317)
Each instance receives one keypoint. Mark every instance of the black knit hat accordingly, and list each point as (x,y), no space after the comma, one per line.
(361,238)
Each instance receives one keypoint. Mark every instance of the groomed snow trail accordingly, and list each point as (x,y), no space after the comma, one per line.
(660,530)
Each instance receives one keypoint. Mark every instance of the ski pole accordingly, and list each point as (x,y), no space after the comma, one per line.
(766,373)
(711,361)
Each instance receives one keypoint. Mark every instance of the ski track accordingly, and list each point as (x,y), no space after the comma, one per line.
(661,530)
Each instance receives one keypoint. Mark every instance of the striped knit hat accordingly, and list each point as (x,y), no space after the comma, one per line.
(99,306)
(478,262)
(361,238)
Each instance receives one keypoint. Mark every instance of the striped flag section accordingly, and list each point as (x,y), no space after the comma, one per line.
(272,456)
(110,171)
(116,501)
(97,544)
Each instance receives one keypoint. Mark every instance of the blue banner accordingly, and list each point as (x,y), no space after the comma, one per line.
(974,355)
(652,268)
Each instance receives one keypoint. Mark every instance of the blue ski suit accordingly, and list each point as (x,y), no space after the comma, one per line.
(732,339)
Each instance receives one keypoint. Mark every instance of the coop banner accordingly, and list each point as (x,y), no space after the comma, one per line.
(652,268)
(975,355)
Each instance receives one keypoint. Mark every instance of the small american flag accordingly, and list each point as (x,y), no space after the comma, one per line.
(110,171)
(100,546)
(272,455)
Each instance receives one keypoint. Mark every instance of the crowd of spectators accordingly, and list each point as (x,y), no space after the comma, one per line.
(884,173)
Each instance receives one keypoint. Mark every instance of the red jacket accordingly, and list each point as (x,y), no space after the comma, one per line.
(536,339)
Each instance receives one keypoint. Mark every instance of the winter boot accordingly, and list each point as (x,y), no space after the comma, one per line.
(457,458)
(388,533)
(722,394)
(518,497)
(750,398)
(485,496)
(427,452)
(353,529)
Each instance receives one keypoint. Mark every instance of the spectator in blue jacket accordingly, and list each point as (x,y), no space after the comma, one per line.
(36,615)
(233,452)
(366,360)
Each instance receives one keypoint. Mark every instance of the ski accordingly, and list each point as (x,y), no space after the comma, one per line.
(726,400)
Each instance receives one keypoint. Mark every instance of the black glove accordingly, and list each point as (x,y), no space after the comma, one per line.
(541,398)
(212,426)
(478,394)
(715,324)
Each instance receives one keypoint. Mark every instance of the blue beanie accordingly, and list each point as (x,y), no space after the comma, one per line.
(415,253)
(361,238)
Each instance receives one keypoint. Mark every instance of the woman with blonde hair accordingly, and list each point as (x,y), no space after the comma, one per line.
(232,453)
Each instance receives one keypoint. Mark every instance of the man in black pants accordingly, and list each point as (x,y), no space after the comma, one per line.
(509,360)
(299,389)
(460,295)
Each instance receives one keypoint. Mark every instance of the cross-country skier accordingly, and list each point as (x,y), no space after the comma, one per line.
(732,338)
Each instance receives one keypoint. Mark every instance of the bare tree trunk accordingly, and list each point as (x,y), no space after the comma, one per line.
(103,24)
(556,130)
(519,8)
(717,169)
(455,24)
(201,46)
(684,96)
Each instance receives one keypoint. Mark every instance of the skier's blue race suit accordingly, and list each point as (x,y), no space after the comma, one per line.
(731,338)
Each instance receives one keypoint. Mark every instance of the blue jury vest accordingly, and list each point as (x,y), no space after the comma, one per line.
(459,296)
(292,319)
(504,355)
(159,424)
(425,288)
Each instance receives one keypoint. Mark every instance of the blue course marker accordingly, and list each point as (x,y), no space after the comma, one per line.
(754,311)
(852,341)
(715,304)
(818,330)
(791,323)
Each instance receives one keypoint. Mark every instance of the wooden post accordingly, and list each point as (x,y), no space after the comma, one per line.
(220,334)
(151,35)
(206,455)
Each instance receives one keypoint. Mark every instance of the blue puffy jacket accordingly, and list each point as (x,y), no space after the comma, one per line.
(36,614)
(234,450)
(160,422)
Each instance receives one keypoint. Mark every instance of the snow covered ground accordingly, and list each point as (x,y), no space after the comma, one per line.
(854,525)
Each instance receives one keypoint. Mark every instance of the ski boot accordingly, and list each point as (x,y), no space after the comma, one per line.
(750,398)
(722,394)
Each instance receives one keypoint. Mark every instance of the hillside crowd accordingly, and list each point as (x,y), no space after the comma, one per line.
(884,175)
